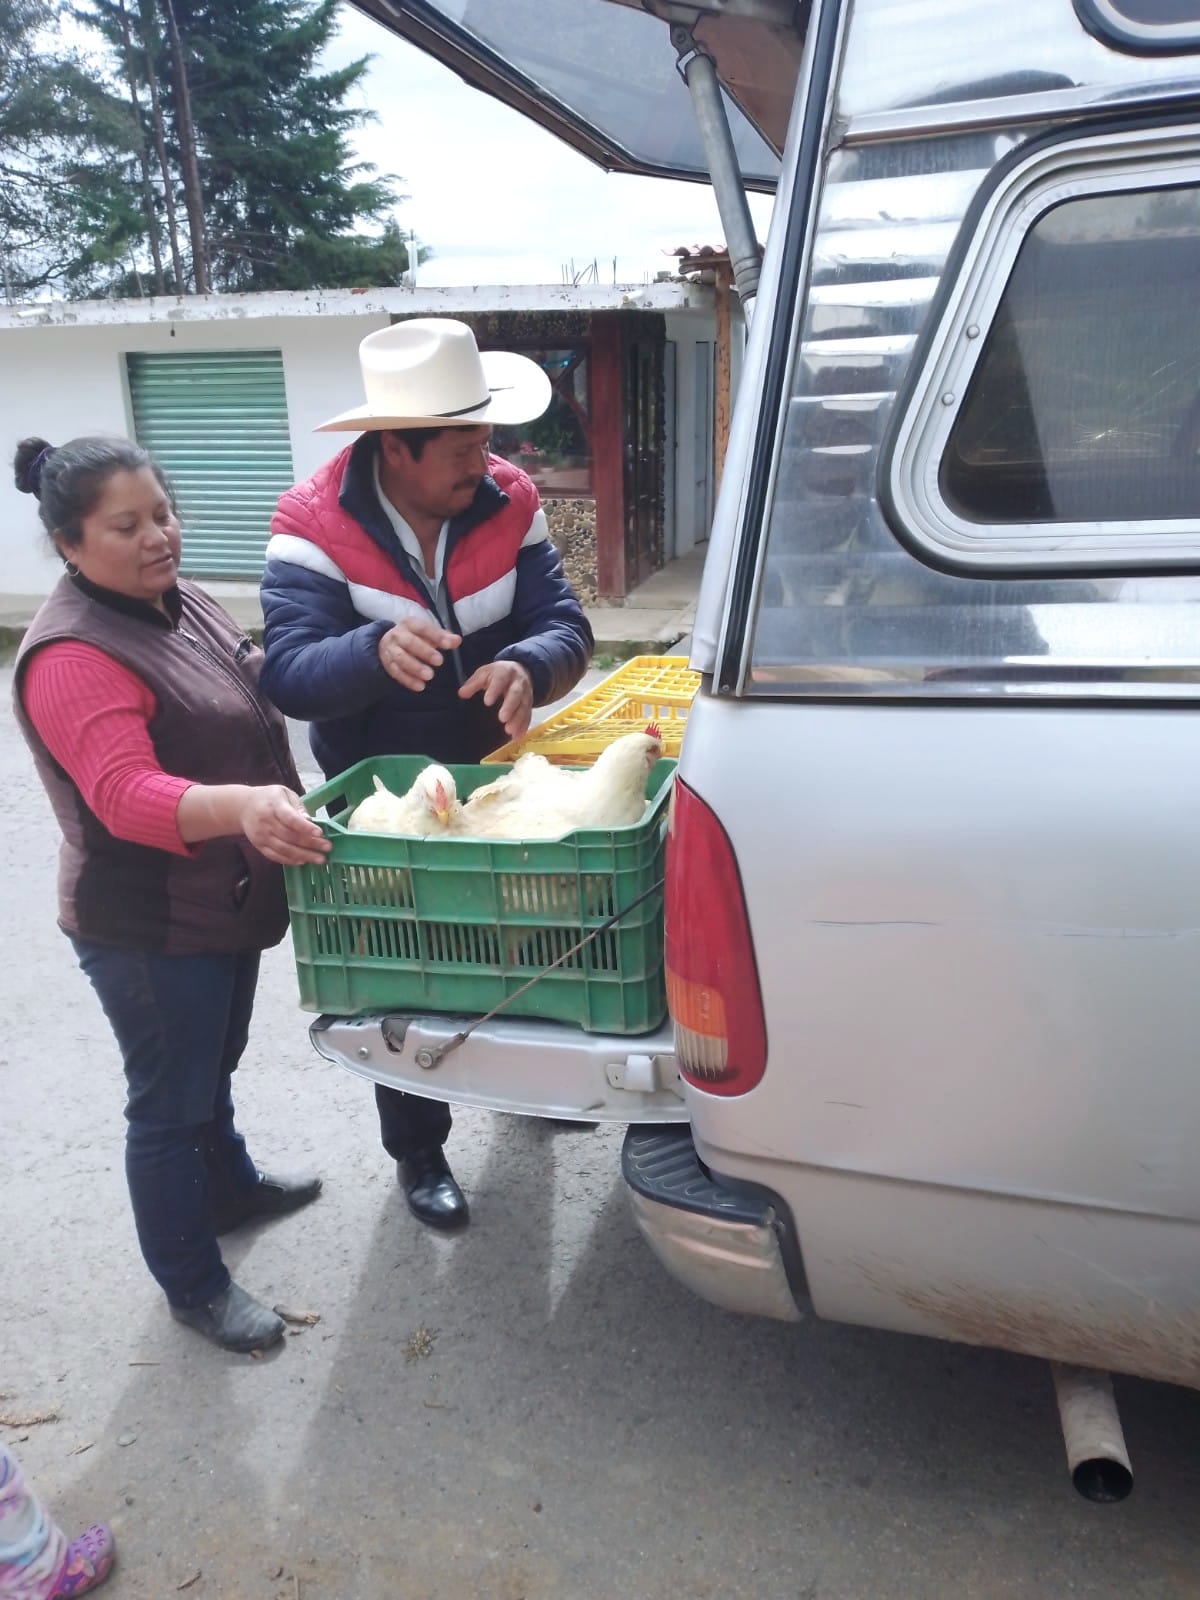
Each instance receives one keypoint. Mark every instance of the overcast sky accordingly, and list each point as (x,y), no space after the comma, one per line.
(497,199)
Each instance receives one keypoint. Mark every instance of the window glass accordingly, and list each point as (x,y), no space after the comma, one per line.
(555,448)
(1144,24)
(1155,13)
(1085,403)
(601,76)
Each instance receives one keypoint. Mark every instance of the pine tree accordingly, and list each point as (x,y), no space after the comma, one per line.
(68,154)
(247,145)
(284,203)
(146,50)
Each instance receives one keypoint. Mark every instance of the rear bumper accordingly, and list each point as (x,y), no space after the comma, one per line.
(736,1250)
(515,1064)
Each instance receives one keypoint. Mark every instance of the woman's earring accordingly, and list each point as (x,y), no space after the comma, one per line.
(72,569)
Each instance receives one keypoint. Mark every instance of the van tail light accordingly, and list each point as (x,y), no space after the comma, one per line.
(712,980)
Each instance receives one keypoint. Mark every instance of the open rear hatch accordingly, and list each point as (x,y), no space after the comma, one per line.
(601,74)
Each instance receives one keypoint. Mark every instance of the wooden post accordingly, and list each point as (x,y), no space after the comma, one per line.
(608,453)
(721,395)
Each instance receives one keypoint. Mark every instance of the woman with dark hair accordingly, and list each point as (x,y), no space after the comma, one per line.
(173,784)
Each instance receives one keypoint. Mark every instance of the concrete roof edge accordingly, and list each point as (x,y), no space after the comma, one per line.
(671,296)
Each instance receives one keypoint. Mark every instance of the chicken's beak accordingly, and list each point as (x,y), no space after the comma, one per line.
(441,805)
(442,813)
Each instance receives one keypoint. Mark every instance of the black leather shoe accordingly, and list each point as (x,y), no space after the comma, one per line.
(272,1196)
(235,1320)
(433,1195)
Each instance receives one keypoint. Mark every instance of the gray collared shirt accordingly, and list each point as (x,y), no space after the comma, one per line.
(434,583)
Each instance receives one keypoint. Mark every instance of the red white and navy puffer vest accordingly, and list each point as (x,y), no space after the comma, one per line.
(337,577)
(313,528)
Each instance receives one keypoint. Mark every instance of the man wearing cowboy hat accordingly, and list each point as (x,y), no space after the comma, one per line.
(414,604)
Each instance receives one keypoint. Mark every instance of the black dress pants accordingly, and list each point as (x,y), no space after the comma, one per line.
(409,1122)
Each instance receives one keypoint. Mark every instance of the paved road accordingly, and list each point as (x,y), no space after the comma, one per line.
(532,1411)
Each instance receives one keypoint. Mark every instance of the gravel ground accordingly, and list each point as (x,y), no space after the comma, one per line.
(530,1410)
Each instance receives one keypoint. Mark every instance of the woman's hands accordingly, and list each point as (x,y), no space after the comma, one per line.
(276,823)
(269,815)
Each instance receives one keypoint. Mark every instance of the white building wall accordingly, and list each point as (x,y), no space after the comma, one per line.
(54,383)
(62,373)
(62,382)
(686,448)
(694,339)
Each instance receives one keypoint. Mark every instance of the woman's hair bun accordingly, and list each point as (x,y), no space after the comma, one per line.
(29,463)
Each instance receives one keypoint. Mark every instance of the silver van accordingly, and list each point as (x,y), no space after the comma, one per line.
(933,882)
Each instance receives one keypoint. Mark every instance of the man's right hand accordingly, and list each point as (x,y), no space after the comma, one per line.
(410,650)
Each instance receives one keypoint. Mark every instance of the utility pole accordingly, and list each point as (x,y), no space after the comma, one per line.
(193,197)
(160,143)
(143,158)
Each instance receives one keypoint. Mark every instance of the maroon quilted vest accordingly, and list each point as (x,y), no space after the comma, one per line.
(211,725)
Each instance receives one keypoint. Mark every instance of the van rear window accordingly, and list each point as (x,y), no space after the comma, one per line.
(987,480)
(1085,403)
(1144,25)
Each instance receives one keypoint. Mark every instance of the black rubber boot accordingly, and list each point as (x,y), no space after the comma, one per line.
(272,1196)
(235,1320)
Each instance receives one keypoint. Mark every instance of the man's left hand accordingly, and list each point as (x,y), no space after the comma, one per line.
(505,684)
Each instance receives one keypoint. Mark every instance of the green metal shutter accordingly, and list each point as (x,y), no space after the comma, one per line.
(217,424)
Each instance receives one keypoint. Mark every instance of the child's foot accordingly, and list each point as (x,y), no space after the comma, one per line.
(89,1562)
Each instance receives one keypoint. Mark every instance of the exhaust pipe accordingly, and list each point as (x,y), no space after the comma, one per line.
(1096,1453)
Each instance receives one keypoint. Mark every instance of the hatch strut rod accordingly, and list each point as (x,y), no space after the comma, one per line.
(699,72)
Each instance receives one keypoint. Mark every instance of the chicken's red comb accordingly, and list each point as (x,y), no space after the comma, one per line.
(655,732)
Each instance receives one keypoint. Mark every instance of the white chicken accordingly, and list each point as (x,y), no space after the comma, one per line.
(431,807)
(538,800)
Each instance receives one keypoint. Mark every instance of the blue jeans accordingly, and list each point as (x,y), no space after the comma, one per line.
(181,1023)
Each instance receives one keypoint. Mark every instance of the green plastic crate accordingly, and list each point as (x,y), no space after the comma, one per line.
(458,925)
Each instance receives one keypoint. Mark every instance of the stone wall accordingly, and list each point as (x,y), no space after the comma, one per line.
(572,526)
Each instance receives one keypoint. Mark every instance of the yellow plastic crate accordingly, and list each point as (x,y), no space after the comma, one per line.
(657,681)
(646,689)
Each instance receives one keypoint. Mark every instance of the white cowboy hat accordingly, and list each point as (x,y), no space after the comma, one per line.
(428,373)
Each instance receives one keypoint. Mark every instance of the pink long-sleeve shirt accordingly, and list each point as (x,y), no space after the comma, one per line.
(93,716)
